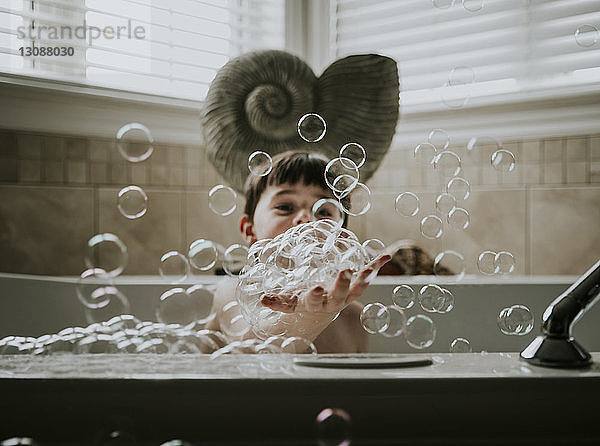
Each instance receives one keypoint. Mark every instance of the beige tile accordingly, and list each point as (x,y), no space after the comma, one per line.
(415,177)
(384,223)
(100,150)
(54,171)
(497,223)
(176,176)
(577,172)
(98,173)
(595,148)
(76,149)
(29,146)
(565,235)
(532,174)
(193,177)
(148,237)
(54,147)
(381,179)
(76,172)
(119,173)
(595,172)
(553,173)
(577,149)
(139,175)
(193,156)
(48,229)
(175,155)
(201,222)
(531,153)
(30,171)
(8,169)
(8,144)
(159,175)
(553,151)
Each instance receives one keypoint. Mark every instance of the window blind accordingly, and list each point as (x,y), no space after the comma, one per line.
(475,50)
(164,47)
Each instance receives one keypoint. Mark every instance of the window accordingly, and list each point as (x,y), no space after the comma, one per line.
(170,48)
(468,54)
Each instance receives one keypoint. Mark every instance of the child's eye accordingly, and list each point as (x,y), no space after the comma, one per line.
(284,208)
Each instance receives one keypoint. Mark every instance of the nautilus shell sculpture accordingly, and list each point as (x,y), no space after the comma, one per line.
(256,100)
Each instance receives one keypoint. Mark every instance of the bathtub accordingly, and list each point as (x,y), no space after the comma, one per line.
(482,398)
(36,305)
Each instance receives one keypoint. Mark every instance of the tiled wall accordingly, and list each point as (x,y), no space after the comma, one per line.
(56,192)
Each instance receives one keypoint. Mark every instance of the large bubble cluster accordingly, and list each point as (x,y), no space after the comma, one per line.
(291,264)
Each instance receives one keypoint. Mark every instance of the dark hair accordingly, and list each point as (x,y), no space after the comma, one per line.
(289,167)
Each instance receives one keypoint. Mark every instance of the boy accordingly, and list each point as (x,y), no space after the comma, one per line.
(274,203)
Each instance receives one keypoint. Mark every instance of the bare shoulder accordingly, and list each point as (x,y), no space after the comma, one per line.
(224,294)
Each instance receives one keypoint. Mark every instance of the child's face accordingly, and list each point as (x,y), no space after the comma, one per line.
(280,208)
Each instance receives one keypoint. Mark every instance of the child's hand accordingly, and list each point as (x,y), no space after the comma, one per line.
(320,300)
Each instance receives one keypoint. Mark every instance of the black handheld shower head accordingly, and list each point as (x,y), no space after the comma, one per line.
(556,347)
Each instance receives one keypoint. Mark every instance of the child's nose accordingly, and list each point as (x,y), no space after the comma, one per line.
(304,216)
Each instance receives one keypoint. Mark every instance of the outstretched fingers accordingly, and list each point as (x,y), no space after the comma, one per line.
(285,303)
(365,277)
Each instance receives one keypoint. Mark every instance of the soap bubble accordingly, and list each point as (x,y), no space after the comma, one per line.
(504,262)
(439,138)
(234,259)
(183,307)
(231,321)
(448,302)
(420,331)
(290,265)
(18,441)
(355,152)
(407,204)
(375,318)
(460,345)
(333,428)
(345,168)
(431,298)
(201,299)
(106,252)
(455,96)
(134,142)
(132,202)
(459,188)
(461,75)
(397,322)
(358,201)
(174,266)
(587,36)
(479,143)
(459,219)
(114,303)
(503,160)
(327,208)
(202,254)
(312,127)
(473,5)
(486,263)
(297,345)
(447,164)
(89,281)
(260,163)
(403,296)
(221,200)
(373,247)
(442,4)
(431,227)
(424,153)
(449,261)
(444,203)
(516,320)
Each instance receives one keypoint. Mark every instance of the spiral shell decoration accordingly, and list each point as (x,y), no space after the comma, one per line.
(255,102)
